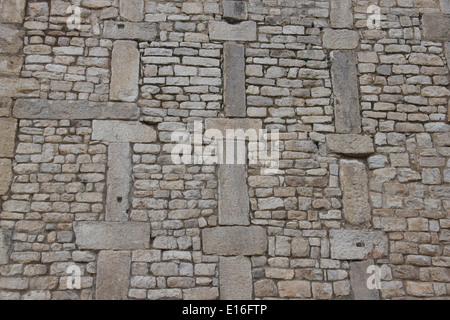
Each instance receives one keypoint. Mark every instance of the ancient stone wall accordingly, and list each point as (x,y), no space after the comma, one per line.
(91,92)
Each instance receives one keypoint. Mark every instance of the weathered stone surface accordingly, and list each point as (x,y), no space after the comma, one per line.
(222,124)
(235,10)
(7,142)
(82,110)
(244,31)
(346,93)
(132,10)
(357,244)
(5,106)
(11,40)
(199,293)
(350,144)
(445,6)
(11,66)
(5,243)
(119,182)
(122,131)
(436,27)
(125,71)
(142,31)
(6,175)
(233,195)
(12,11)
(232,241)
(113,270)
(341,15)
(358,280)
(447,53)
(235,278)
(340,39)
(19,87)
(294,289)
(112,235)
(234,80)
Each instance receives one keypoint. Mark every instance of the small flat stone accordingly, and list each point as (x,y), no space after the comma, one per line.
(244,31)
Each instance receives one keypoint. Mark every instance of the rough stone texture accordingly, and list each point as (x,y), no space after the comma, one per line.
(6,175)
(132,10)
(357,245)
(113,268)
(234,124)
(341,14)
(234,80)
(244,31)
(112,235)
(354,183)
(125,71)
(7,143)
(340,39)
(436,27)
(200,293)
(353,145)
(119,182)
(5,242)
(235,277)
(11,66)
(358,280)
(11,40)
(122,131)
(74,110)
(231,241)
(19,88)
(233,195)
(142,31)
(235,10)
(445,6)
(12,11)
(345,89)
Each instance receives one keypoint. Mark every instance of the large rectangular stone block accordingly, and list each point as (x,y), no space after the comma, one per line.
(340,39)
(142,31)
(101,235)
(234,80)
(11,66)
(346,92)
(11,40)
(436,27)
(74,110)
(223,124)
(132,10)
(358,244)
(355,190)
(113,275)
(341,14)
(358,280)
(233,241)
(8,128)
(244,31)
(19,87)
(235,10)
(119,182)
(6,175)
(122,131)
(5,243)
(234,203)
(352,145)
(12,11)
(235,278)
(125,71)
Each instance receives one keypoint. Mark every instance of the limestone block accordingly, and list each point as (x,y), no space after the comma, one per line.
(113,273)
(235,10)
(346,92)
(11,66)
(341,14)
(100,235)
(5,106)
(232,241)
(340,39)
(132,10)
(19,87)
(353,145)
(244,31)
(235,278)
(201,293)
(6,175)
(122,131)
(74,110)
(358,244)
(12,11)
(7,142)
(12,39)
(234,80)
(142,31)
(5,243)
(358,280)
(445,6)
(125,71)
(436,27)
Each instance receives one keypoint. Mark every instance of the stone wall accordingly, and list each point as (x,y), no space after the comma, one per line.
(87,179)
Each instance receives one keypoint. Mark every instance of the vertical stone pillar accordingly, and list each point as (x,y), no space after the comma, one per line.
(113,273)
(125,71)
(234,80)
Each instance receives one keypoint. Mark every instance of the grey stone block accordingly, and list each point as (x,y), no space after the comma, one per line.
(125,71)
(12,11)
(12,38)
(353,145)
(235,10)
(358,244)
(445,6)
(5,243)
(436,27)
(132,10)
(142,31)
(122,131)
(7,142)
(358,280)
(113,275)
(234,80)
(346,91)
(233,241)
(340,39)
(6,175)
(100,235)
(235,278)
(244,31)
(341,14)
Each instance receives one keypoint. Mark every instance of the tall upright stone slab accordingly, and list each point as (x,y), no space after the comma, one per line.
(5,243)
(6,175)
(235,278)
(113,275)
(235,10)
(341,14)
(7,142)
(346,94)
(125,71)
(119,182)
(132,10)
(234,80)
(358,280)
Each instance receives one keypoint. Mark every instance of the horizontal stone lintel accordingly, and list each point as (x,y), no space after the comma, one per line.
(351,144)
(358,244)
(101,235)
(234,241)
(225,124)
(143,31)
(122,131)
(74,110)
(223,31)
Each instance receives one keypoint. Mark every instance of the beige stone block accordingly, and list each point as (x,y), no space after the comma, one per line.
(358,244)
(7,142)
(6,175)
(122,131)
(244,31)
(340,39)
(113,275)
(125,71)
(235,278)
